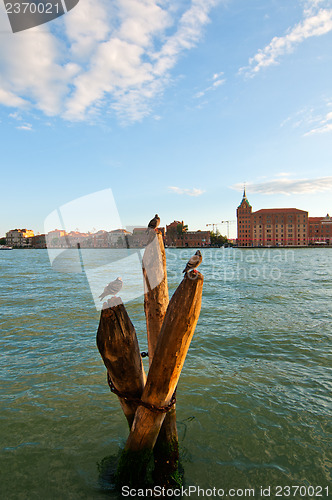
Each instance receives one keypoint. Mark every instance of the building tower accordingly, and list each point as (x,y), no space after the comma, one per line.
(244,222)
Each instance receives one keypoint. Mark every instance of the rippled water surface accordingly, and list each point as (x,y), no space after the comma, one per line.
(254,398)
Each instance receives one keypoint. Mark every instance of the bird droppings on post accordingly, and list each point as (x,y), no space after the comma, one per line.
(149,403)
(112,302)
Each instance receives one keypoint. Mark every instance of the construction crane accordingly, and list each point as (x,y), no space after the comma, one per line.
(228,222)
(213,225)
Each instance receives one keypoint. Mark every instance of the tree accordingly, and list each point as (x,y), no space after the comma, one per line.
(217,240)
(2,241)
(181,228)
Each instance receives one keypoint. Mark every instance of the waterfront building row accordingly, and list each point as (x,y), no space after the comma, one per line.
(119,238)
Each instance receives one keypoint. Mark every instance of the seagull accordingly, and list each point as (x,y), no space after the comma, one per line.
(154,223)
(112,288)
(193,262)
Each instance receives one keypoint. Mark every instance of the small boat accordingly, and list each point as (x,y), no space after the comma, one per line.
(5,247)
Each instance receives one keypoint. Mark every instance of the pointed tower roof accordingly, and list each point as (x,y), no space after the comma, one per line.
(244,199)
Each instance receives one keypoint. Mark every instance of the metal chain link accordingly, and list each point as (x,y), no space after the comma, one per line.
(138,401)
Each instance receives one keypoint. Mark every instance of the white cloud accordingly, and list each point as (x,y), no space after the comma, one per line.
(26,126)
(315,24)
(186,36)
(15,116)
(311,6)
(10,99)
(288,186)
(321,130)
(325,125)
(117,54)
(32,74)
(87,26)
(217,81)
(283,174)
(312,119)
(188,192)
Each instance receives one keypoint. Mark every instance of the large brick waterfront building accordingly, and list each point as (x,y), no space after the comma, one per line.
(271,226)
(320,230)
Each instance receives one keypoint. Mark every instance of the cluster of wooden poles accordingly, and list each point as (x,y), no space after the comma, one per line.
(149,402)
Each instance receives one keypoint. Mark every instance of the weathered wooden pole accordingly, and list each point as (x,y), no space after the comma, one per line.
(155,289)
(118,346)
(166,450)
(177,330)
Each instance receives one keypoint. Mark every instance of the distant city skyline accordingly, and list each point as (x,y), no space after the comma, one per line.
(225,227)
(173,106)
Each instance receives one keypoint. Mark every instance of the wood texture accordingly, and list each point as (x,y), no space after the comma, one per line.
(118,346)
(178,328)
(156,300)
(155,289)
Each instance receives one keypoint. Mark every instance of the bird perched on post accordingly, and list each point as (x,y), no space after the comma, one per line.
(112,288)
(193,262)
(154,223)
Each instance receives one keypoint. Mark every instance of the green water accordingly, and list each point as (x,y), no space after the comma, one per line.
(254,397)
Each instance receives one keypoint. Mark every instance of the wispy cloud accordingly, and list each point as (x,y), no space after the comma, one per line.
(312,120)
(324,126)
(217,80)
(315,23)
(15,116)
(283,174)
(25,126)
(311,6)
(9,98)
(118,55)
(288,186)
(188,192)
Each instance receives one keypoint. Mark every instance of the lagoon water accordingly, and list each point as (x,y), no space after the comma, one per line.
(254,397)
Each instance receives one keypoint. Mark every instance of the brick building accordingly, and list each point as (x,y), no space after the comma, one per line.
(177,235)
(38,241)
(320,230)
(244,222)
(271,226)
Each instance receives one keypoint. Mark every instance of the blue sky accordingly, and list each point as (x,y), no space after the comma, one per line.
(171,104)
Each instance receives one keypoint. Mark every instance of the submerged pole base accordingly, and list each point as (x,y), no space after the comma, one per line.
(166,471)
(132,468)
(166,454)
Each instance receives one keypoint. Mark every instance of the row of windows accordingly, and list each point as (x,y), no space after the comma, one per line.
(277,231)
(278,239)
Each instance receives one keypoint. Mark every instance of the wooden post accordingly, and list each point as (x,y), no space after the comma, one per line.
(155,290)
(118,346)
(173,343)
(166,450)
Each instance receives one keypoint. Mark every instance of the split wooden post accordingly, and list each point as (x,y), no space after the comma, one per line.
(118,346)
(155,289)
(173,343)
(166,450)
